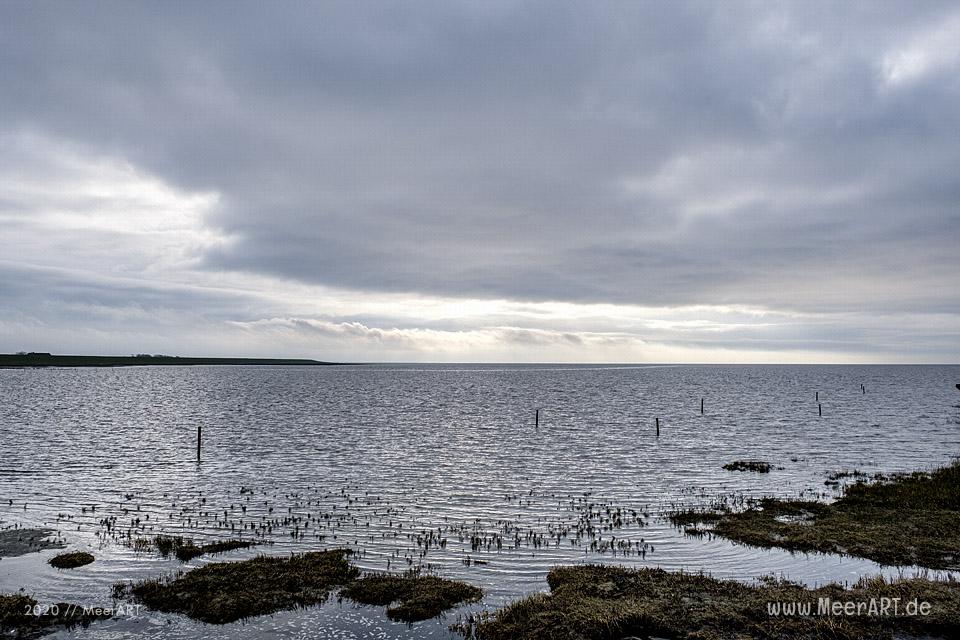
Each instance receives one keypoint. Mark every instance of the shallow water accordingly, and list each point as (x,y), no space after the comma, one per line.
(371,457)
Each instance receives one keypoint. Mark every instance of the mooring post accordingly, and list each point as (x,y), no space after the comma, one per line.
(658,427)
(199,431)
(538,418)
(701,406)
(863,388)
(820,409)
(818,396)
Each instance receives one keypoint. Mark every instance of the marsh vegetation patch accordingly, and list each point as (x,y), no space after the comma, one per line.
(185,550)
(71,560)
(22,617)
(757,466)
(604,603)
(228,591)
(906,519)
(411,597)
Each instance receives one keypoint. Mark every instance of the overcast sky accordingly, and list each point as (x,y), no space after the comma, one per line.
(482,181)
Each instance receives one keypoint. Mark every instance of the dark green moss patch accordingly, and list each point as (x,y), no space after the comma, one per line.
(607,603)
(228,591)
(412,597)
(71,560)
(21,616)
(758,466)
(909,519)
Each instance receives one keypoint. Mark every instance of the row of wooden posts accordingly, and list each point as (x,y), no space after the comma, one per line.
(863,389)
(537,418)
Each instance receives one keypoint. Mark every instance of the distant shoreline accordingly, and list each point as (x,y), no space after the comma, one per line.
(35,360)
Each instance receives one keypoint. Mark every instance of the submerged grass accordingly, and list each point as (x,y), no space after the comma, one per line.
(22,617)
(416,597)
(71,560)
(168,544)
(228,591)
(185,550)
(908,519)
(190,551)
(606,603)
(18,542)
(758,466)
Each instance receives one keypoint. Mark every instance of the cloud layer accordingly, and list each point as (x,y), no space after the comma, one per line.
(483,181)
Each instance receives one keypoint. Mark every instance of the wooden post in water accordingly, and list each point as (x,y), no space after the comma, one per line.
(658,427)
(538,418)
(818,396)
(701,406)
(863,388)
(820,409)
(199,430)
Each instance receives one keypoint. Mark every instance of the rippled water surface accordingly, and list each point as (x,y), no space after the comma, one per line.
(441,467)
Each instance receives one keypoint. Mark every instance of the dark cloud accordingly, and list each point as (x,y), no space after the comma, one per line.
(785,155)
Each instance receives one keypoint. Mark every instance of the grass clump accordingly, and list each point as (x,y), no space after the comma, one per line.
(191,551)
(168,544)
(416,597)
(71,560)
(906,519)
(758,466)
(21,616)
(833,480)
(185,550)
(228,591)
(607,603)
(686,517)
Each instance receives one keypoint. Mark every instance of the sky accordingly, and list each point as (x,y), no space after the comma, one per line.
(482,181)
